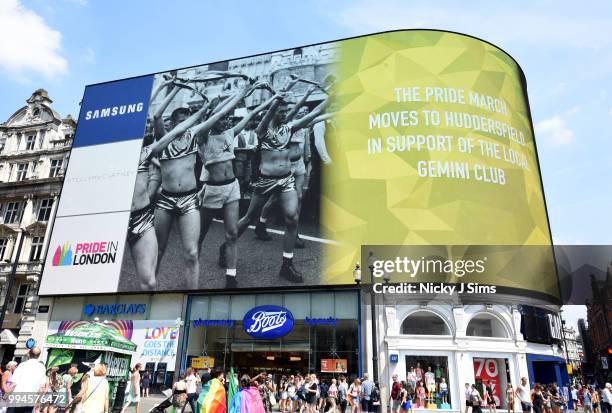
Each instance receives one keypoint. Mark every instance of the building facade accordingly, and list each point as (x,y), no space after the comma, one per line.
(34,147)
(599,316)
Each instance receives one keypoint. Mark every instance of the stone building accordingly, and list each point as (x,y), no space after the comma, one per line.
(35,144)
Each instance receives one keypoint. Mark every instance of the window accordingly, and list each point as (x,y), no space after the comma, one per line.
(22,296)
(424,323)
(36,249)
(485,325)
(3,245)
(30,142)
(56,167)
(429,377)
(44,212)
(22,170)
(13,213)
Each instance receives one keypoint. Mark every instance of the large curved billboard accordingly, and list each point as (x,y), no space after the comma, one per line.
(276,169)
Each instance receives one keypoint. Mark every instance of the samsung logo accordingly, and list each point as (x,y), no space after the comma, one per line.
(114,111)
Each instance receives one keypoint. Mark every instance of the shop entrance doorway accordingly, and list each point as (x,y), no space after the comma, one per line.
(277,363)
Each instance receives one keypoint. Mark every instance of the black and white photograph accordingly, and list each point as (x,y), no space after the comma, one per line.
(227,192)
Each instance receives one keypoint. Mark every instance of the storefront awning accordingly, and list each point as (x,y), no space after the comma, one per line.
(91,336)
(7,338)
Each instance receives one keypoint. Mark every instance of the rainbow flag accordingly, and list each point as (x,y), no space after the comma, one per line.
(247,400)
(212,398)
(232,389)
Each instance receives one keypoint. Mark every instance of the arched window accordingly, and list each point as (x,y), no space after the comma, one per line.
(486,325)
(424,323)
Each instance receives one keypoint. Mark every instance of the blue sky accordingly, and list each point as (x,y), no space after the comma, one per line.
(565,49)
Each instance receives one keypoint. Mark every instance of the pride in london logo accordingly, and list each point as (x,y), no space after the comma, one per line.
(100,252)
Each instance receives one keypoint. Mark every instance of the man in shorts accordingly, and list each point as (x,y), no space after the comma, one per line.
(396,394)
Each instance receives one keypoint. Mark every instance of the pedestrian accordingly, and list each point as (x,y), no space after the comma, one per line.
(133,389)
(510,396)
(491,404)
(310,389)
(467,393)
(247,399)
(179,393)
(7,378)
(575,397)
(595,400)
(355,395)
(588,404)
(68,379)
(192,380)
(332,396)
(145,383)
(366,388)
(476,399)
(76,404)
(405,399)
(343,394)
(375,398)
(556,400)
(524,395)
(606,399)
(537,397)
(29,377)
(95,397)
(396,389)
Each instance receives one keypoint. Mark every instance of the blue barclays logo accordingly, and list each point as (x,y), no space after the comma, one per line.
(113,309)
(114,112)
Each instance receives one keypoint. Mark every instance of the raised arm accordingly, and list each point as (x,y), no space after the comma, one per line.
(245,121)
(299,104)
(161,87)
(160,144)
(300,123)
(321,118)
(225,109)
(158,121)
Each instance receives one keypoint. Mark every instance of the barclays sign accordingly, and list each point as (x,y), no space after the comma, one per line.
(268,322)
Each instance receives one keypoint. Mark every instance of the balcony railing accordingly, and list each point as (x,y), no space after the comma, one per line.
(22,268)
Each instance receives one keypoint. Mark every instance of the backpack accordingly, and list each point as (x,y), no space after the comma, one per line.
(375,395)
(301,393)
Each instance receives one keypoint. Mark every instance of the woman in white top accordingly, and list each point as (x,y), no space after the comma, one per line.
(95,396)
(133,391)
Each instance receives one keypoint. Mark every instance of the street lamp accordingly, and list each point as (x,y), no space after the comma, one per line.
(357,278)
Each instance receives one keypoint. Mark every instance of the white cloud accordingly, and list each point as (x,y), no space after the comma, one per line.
(574,110)
(28,45)
(82,3)
(554,130)
(610,111)
(530,26)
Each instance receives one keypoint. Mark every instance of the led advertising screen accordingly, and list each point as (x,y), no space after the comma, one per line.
(276,169)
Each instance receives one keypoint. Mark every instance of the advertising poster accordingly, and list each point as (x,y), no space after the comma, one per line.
(333,366)
(276,169)
(156,340)
(485,370)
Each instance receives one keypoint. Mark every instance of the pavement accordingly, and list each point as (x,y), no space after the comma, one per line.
(259,262)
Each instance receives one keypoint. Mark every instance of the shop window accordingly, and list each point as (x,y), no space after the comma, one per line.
(486,325)
(424,323)
(428,377)
(492,376)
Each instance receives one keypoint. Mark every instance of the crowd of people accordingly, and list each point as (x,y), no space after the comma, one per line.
(218,392)
(265,393)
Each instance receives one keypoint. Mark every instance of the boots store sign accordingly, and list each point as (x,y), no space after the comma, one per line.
(268,322)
